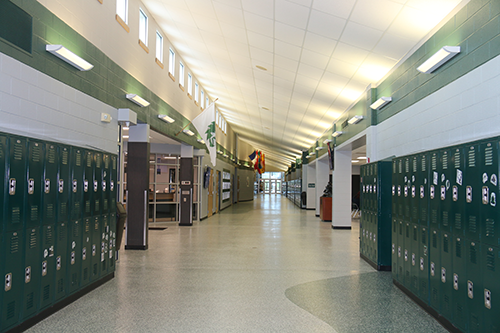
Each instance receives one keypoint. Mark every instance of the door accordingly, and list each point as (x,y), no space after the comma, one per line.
(211,194)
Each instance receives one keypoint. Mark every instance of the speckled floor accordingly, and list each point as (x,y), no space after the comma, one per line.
(261,266)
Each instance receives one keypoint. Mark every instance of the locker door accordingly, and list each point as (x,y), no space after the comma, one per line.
(423,189)
(85,254)
(47,257)
(95,248)
(104,265)
(63,193)
(434,191)
(395,224)
(77,158)
(475,292)
(98,181)
(434,269)
(414,190)
(414,258)
(105,183)
(459,291)
(112,242)
(112,184)
(96,228)
(491,289)
(13,231)
(446,177)
(32,248)
(446,275)
(407,254)
(400,251)
(88,184)
(489,214)
(424,274)
(473,184)
(4,151)
(457,203)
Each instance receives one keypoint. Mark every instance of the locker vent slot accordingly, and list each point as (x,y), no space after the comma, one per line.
(424,164)
(35,153)
(75,231)
(14,244)
(65,156)
(2,148)
(458,249)
(394,167)
(87,206)
(474,323)
(423,214)
(473,255)
(94,271)
(458,221)
(98,161)
(60,286)
(16,215)
(434,216)
(424,237)
(434,162)
(445,161)
(48,236)
(105,204)
(407,166)
(490,228)
(445,220)
(87,227)
(488,156)
(63,209)
(434,293)
(414,169)
(74,279)
(106,162)
(49,211)
(114,162)
(490,261)
(472,158)
(446,245)
(34,213)
(472,224)
(62,233)
(33,241)
(76,209)
(434,241)
(52,155)
(414,212)
(46,292)
(78,158)
(89,160)
(18,151)
(103,266)
(11,310)
(30,300)
(97,205)
(446,300)
(457,160)
(400,166)
(400,208)
(459,310)
(407,211)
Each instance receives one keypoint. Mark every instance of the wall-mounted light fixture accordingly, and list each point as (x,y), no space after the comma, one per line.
(438,59)
(380,103)
(137,100)
(354,120)
(320,148)
(201,141)
(327,141)
(166,118)
(336,134)
(63,53)
(188,132)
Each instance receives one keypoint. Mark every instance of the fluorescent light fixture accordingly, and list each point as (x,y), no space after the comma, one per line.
(166,118)
(355,120)
(362,158)
(308,156)
(188,132)
(320,148)
(201,141)
(125,136)
(355,161)
(327,141)
(381,102)
(137,100)
(225,155)
(219,152)
(63,53)
(438,59)
(336,134)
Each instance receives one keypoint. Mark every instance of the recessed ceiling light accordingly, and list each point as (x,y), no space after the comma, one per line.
(261,68)
(265,108)
(355,161)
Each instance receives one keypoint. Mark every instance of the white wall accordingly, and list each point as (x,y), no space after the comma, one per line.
(310,170)
(35,105)
(463,111)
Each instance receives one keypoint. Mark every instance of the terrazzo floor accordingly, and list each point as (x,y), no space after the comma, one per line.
(260,266)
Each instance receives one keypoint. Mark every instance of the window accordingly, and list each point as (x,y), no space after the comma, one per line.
(122,10)
(159,47)
(196,91)
(143,27)
(225,126)
(171,62)
(217,117)
(202,100)
(207,104)
(181,74)
(190,84)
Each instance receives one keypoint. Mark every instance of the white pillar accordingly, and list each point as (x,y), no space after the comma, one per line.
(322,174)
(341,188)
(311,186)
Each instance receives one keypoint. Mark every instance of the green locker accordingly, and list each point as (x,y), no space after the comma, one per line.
(459,291)
(491,278)
(414,258)
(423,188)
(434,191)
(105,184)
(395,224)
(473,183)
(112,184)
(407,254)
(98,184)
(447,177)
(13,231)
(407,189)
(63,194)
(446,269)
(95,258)
(414,194)
(489,215)
(475,292)
(77,160)
(400,251)
(457,203)
(112,242)
(33,239)
(434,269)
(88,184)
(47,255)
(86,250)
(424,273)
(104,244)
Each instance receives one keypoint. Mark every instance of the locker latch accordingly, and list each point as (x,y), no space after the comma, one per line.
(75,185)
(443,274)
(112,186)
(406,255)
(85,186)
(443,192)
(84,253)
(61,185)
(12,186)
(399,251)
(93,250)
(399,190)
(413,261)
(432,192)
(433,269)
(455,281)
(468,194)
(413,192)
(58,263)
(455,193)
(8,281)
(422,191)
(486,195)
(104,186)
(31,186)
(487,298)
(27,274)
(47,185)
(393,189)
(95,185)
(406,191)
(421,263)
(73,257)
(393,248)
(470,289)
(44,268)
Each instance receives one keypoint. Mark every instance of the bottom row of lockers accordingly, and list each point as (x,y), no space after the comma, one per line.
(457,277)
(58,261)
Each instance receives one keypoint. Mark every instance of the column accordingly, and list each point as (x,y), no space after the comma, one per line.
(137,188)
(341,190)
(322,175)
(186,187)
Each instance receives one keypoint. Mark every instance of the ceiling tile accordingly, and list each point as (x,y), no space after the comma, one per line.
(361,36)
(314,59)
(341,68)
(291,14)
(319,44)
(289,34)
(341,8)
(259,55)
(260,41)
(229,14)
(260,7)
(350,54)
(287,50)
(259,24)
(386,10)
(326,25)
(233,33)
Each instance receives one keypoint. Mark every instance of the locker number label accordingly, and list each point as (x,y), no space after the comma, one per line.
(487,298)
(8,281)
(12,186)
(468,194)
(494,179)
(435,178)
(485,178)
(31,186)
(61,186)
(459,177)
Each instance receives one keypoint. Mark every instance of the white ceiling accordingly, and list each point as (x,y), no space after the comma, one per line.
(320,57)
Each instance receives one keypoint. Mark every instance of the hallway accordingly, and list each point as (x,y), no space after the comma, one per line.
(259,266)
